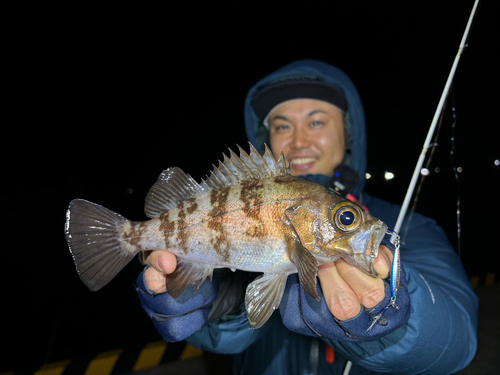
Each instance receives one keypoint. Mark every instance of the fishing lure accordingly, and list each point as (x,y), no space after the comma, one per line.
(394,280)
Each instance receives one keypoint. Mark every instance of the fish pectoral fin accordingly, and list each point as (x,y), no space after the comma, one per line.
(263,296)
(185,275)
(304,260)
(306,264)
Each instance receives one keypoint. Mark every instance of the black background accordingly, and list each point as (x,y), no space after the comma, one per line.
(101,98)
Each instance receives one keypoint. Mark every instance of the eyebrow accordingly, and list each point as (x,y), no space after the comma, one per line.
(279,117)
(316,111)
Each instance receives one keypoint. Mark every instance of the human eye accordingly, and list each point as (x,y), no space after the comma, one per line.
(315,124)
(281,127)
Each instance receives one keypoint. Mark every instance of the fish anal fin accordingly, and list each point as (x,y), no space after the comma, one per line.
(185,275)
(263,296)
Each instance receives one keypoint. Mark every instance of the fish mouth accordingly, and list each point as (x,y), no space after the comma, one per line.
(378,232)
(366,247)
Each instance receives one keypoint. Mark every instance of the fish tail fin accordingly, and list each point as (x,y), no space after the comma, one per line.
(93,235)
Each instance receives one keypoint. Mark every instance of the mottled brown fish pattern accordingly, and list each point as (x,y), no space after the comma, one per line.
(250,214)
(167,228)
(135,234)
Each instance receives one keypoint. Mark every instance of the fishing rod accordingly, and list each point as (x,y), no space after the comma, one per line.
(428,141)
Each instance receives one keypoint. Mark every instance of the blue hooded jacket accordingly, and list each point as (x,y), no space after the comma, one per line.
(435,330)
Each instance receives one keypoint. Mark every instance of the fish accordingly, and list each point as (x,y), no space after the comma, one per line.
(250,214)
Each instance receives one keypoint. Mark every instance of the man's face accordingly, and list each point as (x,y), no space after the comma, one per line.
(310,133)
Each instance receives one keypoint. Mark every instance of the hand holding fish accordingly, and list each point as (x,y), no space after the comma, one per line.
(161,263)
(346,288)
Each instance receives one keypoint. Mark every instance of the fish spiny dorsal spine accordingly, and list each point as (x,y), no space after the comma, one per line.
(174,186)
(239,165)
(237,169)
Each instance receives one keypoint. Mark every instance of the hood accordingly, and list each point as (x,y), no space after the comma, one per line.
(355,157)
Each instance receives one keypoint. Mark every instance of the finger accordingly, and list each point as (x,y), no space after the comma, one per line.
(161,261)
(370,291)
(383,262)
(340,298)
(155,280)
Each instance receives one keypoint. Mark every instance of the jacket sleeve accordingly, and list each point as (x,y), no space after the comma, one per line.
(177,318)
(228,330)
(228,335)
(302,314)
(212,319)
(441,334)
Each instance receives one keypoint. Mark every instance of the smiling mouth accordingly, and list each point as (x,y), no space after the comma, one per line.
(303,161)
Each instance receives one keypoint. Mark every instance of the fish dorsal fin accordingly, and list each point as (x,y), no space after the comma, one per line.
(236,169)
(172,187)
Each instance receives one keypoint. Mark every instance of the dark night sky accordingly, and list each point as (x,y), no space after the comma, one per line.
(104,98)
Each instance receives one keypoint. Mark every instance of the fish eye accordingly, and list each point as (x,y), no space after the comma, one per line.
(348,218)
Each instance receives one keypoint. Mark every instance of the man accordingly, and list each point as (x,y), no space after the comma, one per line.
(312,113)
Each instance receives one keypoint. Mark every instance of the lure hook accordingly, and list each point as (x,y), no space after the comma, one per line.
(395,277)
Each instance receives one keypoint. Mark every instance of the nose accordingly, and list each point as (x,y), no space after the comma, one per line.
(300,138)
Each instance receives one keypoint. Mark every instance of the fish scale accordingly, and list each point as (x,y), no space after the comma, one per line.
(249,214)
(260,234)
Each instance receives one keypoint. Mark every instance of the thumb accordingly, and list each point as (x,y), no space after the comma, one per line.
(162,261)
(383,262)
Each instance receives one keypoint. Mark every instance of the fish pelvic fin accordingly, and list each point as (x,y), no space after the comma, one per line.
(263,296)
(93,235)
(185,275)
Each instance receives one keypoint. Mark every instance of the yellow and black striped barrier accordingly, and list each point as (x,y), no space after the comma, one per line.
(118,361)
(151,355)
(484,280)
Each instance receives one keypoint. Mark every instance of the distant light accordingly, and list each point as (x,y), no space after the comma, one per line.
(496,162)
(368,176)
(460,169)
(388,176)
(437,169)
(425,172)
(129,191)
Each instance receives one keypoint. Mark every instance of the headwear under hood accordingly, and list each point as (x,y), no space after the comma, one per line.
(355,157)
